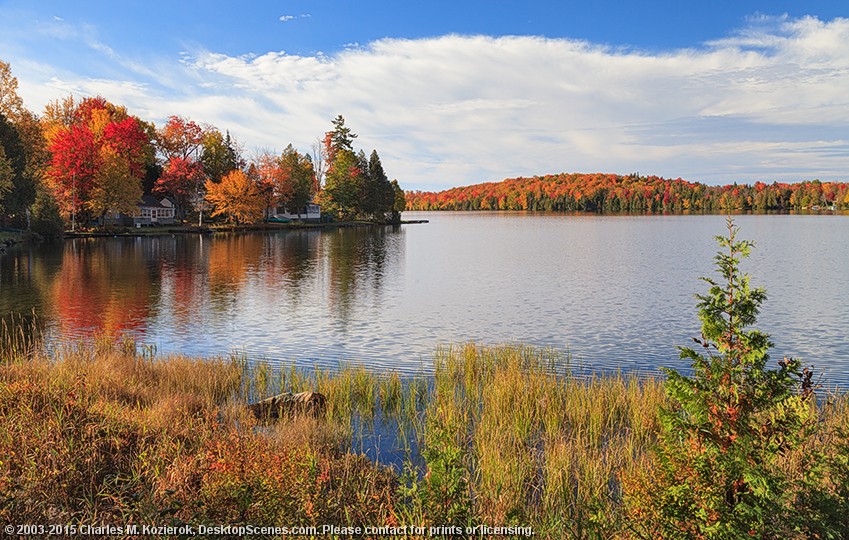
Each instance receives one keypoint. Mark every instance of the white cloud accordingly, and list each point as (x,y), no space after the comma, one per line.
(287,18)
(769,102)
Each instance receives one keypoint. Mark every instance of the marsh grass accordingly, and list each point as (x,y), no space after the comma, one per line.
(110,432)
(534,445)
(20,337)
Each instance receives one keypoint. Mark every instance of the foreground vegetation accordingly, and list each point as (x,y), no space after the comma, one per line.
(110,434)
(107,434)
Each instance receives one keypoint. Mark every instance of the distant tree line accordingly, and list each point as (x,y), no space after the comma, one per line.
(632,193)
(83,160)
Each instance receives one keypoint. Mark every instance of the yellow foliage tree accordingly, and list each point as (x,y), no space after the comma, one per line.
(115,188)
(236,197)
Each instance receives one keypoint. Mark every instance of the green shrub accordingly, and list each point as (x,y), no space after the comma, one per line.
(730,427)
(46,220)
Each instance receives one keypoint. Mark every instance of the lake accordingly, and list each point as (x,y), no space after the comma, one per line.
(615,291)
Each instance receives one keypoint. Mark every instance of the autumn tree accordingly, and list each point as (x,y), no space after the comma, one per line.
(72,169)
(271,182)
(180,142)
(58,114)
(116,187)
(11,104)
(104,153)
(236,197)
(180,138)
(219,154)
(180,179)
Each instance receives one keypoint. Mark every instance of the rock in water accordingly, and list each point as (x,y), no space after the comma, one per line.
(311,403)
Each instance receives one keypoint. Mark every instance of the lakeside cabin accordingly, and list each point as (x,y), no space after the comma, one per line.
(309,212)
(152,210)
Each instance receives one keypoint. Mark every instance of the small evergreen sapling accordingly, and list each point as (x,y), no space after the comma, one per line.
(729,424)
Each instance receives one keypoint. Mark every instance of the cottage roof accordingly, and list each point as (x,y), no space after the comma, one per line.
(150,201)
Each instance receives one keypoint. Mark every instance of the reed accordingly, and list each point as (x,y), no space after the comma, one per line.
(20,338)
(111,432)
(538,446)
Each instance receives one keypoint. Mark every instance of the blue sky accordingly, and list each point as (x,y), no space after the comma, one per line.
(453,93)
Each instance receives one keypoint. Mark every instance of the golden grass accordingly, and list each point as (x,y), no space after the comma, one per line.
(109,432)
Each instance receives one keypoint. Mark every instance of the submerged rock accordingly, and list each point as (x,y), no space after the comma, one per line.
(311,403)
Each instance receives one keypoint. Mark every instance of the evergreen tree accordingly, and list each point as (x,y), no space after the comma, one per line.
(19,194)
(362,203)
(299,168)
(46,219)
(218,154)
(342,185)
(399,203)
(729,426)
(378,194)
(341,138)
(6,175)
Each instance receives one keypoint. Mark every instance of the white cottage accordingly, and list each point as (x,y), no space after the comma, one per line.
(154,211)
(310,212)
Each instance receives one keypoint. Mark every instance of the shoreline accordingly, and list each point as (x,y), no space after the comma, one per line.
(263,227)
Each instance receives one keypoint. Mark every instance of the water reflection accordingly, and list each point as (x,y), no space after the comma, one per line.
(356,267)
(25,275)
(266,292)
(616,290)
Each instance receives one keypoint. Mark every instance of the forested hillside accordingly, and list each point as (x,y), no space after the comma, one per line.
(632,193)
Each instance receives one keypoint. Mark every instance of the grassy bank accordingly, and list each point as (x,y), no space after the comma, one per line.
(106,433)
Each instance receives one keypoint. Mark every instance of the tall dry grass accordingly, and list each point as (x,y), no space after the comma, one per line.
(537,446)
(108,432)
(103,433)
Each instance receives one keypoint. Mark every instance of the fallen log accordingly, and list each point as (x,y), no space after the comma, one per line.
(288,404)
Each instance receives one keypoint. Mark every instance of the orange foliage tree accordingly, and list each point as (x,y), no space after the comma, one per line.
(236,197)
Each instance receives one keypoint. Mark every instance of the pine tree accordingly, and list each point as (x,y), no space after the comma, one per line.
(342,185)
(729,425)
(399,201)
(341,137)
(378,194)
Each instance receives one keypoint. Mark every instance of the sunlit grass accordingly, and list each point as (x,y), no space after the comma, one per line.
(108,431)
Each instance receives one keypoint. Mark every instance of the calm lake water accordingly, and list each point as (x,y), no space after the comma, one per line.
(616,291)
